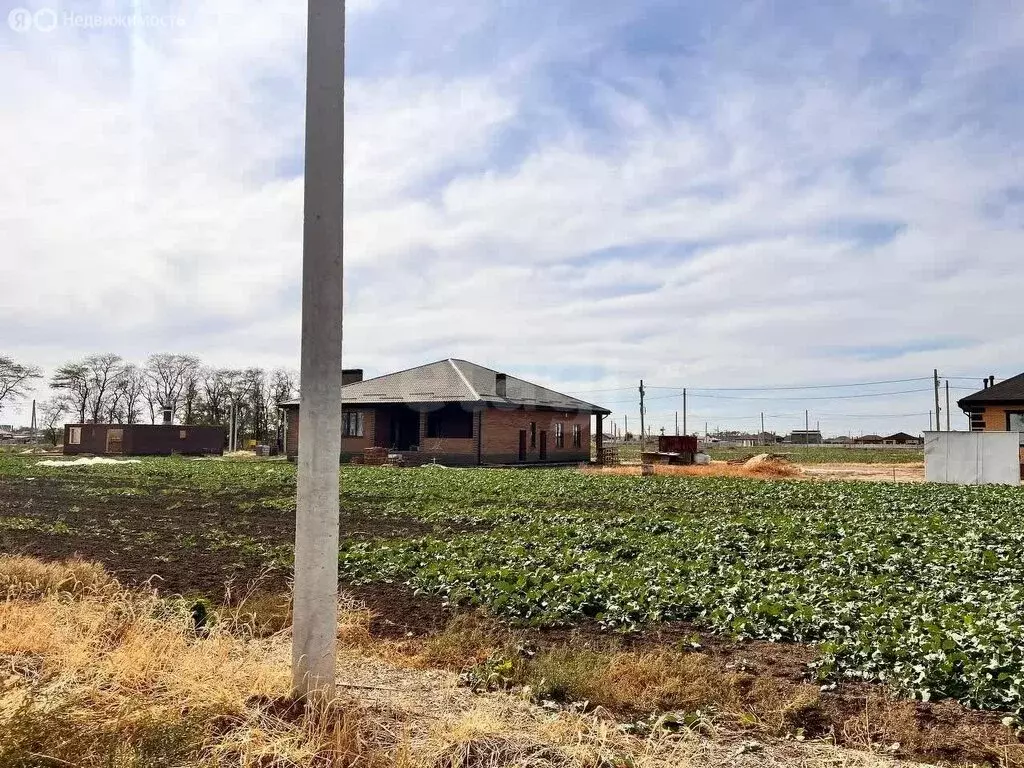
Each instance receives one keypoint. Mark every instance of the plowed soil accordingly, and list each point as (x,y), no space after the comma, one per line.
(186,543)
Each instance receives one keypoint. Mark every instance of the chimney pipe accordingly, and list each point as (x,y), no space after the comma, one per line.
(501,384)
(984,383)
(167,415)
(991,381)
(351,376)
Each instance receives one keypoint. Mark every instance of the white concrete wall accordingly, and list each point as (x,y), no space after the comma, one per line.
(972,458)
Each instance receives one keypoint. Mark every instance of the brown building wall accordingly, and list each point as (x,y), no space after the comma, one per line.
(501,436)
(496,431)
(995,421)
(459,451)
(995,416)
(147,439)
(350,446)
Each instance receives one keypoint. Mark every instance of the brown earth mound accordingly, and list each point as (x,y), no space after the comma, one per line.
(764,466)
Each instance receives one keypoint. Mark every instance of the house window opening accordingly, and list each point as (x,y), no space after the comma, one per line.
(75,436)
(577,436)
(559,435)
(1015,423)
(452,421)
(352,424)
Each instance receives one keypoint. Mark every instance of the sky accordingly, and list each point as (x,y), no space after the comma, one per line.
(718,196)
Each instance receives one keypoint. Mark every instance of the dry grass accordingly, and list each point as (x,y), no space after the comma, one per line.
(27,577)
(95,675)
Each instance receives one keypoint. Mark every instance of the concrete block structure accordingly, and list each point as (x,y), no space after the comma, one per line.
(459,413)
(998,408)
(971,458)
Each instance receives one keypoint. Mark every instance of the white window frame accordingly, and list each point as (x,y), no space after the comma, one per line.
(1015,416)
(352,424)
(559,435)
(577,436)
(75,436)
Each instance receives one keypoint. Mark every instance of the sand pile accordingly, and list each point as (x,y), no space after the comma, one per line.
(767,465)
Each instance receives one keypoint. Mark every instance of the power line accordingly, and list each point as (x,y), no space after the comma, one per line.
(789,388)
(825,397)
(807,386)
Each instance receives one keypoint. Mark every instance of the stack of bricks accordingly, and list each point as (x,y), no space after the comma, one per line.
(375,456)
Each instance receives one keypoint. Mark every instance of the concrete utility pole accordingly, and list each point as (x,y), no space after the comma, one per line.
(762,428)
(641,418)
(677,423)
(947,406)
(938,411)
(314,633)
(684,412)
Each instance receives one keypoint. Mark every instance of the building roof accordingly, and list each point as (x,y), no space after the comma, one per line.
(1009,391)
(459,381)
(902,436)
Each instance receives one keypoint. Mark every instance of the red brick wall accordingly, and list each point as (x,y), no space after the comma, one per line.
(499,445)
(349,445)
(501,436)
(449,450)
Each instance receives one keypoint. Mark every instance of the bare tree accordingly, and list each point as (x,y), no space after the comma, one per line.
(76,383)
(216,387)
(103,371)
(168,376)
(129,391)
(51,412)
(191,393)
(15,379)
(254,398)
(283,385)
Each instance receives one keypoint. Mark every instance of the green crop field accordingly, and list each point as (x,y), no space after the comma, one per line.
(917,586)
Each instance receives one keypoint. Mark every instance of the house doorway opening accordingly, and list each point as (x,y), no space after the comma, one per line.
(115,440)
(405,429)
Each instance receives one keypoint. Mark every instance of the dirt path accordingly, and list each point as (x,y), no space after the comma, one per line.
(879,473)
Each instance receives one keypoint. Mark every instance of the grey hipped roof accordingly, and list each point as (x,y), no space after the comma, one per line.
(1009,391)
(460,381)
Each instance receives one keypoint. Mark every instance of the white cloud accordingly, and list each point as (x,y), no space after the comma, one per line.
(150,201)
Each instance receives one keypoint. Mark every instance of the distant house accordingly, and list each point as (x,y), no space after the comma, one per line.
(143,439)
(744,440)
(869,440)
(459,413)
(805,437)
(902,438)
(997,407)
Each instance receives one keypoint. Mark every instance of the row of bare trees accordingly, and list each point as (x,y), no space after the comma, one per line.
(106,388)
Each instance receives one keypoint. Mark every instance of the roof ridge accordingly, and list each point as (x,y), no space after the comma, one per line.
(472,391)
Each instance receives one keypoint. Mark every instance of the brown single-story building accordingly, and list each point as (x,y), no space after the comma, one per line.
(902,438)
(868,440)
(997,407)
(460,413)
(143,439)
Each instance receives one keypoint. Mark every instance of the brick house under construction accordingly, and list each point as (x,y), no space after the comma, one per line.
(460,413)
